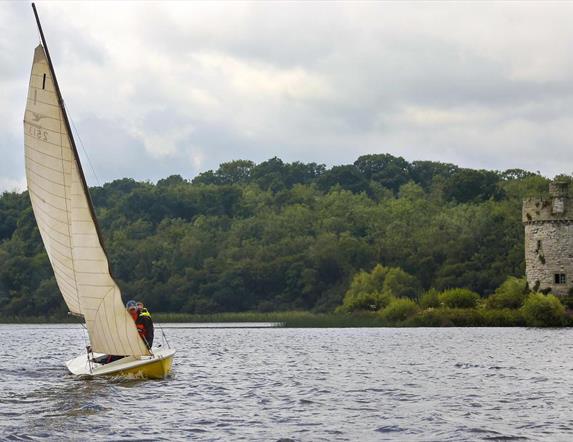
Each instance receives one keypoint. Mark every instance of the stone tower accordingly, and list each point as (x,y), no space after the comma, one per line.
(549,240)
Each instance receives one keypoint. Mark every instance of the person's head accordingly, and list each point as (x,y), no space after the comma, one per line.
(131,307)
(139,305)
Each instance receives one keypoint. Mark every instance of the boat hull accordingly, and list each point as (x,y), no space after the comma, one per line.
(157,366)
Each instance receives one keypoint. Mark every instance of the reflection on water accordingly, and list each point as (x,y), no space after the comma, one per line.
(299,384)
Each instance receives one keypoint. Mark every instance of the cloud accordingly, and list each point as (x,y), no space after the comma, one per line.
(177,87)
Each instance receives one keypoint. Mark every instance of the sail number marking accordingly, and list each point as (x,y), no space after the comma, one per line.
(37,132)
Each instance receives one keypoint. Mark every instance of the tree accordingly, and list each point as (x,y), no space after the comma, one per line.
(290,236)
(468,185)
(425,172)
(346,177)
(366,291)
(270,174)
(388,170)
(401,284)
(170,181)
(12,204)
(516,174)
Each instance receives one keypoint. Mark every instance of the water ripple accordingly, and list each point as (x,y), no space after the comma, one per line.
(298,385)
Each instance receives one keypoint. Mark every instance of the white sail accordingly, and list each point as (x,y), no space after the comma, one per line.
(66,221)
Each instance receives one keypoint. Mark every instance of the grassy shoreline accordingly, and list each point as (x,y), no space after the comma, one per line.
(296,319)
(285,319)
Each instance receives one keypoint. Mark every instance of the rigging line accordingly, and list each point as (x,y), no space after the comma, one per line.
(85,333)
(84,149)
(163,335)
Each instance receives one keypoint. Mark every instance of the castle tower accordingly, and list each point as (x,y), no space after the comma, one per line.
(549,240)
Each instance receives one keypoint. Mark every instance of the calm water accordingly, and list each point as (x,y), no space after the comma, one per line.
(299,384)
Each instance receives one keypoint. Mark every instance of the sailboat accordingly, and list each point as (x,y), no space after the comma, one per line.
(71,235)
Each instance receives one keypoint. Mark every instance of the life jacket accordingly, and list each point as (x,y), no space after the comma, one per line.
(144,326)
(140,328)
(144,312)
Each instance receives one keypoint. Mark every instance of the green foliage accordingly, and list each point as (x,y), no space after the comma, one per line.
(430,299)
(11,206)
(428,174)
(367,301)
(448,317)
(366,291)
(346,177)
(505,317)
(391,172)
(401,284)
(468,185)
(399,310)
(295,319)
(511,294)
(458,298)
(567,301)
(374,290)
(287,236)
(543,311)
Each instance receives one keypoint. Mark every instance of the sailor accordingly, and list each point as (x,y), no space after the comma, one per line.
(143,322)
(142,308)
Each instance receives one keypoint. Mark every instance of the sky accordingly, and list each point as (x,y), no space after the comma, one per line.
(156,89)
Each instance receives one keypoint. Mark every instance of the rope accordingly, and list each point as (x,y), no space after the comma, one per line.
(87,344)
(84,149)
(164,336)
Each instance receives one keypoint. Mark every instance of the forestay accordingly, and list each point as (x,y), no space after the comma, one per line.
(66,221)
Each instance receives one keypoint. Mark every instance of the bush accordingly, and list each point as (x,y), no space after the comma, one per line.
(458,298)
(503,318)
(543,311)
(567,301)
(399,310)
(447,317)
(429,318)
(511,294)
(430,299)
(365,302)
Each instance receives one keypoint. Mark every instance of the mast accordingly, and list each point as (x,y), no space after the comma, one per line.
(71,136)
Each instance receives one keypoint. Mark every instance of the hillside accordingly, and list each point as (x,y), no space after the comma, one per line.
(282,236)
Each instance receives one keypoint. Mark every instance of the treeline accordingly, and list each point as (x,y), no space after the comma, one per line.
(284,236)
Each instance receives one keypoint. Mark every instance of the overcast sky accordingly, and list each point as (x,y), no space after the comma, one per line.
(156,89)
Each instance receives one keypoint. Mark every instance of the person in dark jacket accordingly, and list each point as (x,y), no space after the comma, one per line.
(143,322)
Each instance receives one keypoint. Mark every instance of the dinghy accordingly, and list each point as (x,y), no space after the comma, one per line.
(70,232)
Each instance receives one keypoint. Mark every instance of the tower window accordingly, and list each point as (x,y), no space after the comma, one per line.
(560,278)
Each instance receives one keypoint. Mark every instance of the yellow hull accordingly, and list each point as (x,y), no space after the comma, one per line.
(156,366)
(154,370)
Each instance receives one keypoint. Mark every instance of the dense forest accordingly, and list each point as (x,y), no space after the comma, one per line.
(279,236)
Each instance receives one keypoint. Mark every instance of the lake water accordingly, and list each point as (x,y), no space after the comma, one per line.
(299,384)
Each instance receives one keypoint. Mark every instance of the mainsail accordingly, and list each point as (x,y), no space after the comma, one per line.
(66,219)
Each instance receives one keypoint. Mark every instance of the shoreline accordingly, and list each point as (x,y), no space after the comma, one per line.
(437,318)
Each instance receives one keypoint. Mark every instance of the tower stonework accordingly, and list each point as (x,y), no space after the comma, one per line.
(549,240)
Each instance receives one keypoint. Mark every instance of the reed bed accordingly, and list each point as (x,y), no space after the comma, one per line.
(284,319)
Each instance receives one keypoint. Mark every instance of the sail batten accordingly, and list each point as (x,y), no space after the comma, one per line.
(66,219)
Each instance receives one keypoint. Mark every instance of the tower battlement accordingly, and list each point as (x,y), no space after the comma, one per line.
(547,209)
